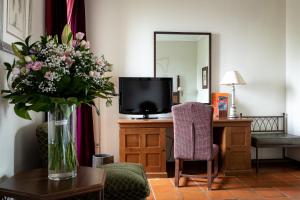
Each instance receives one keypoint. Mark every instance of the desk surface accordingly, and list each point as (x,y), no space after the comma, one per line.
(35,184)
(170,120)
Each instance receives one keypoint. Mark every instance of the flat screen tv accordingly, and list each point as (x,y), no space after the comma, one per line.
(145,96)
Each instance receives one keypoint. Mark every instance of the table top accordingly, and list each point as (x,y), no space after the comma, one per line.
(35,184)
(170,120)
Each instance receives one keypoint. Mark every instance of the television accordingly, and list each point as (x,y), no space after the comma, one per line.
(144,96)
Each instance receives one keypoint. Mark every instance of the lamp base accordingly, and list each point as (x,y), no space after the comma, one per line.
(232,112)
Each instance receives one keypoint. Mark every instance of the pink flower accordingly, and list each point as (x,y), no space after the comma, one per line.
(28,65)
(74,42)
(99,62)
(97,74)
(79,35)
(48,75)
(36,66)
(69,61)
(67,52)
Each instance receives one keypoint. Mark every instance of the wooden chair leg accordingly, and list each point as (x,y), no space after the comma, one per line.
(209,174)
(283,153)
(216,166)
(177,171)
(181,165)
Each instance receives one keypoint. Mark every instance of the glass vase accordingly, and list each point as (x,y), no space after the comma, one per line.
(62,158)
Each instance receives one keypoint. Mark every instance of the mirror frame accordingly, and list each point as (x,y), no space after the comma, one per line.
(187,33)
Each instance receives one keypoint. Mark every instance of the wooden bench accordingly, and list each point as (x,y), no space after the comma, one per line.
(270,132)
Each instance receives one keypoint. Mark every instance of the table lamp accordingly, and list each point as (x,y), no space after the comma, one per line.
(232,78)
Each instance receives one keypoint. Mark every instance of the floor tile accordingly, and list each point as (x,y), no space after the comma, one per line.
(274,183)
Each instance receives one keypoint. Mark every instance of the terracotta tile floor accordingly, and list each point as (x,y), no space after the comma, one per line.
(272,183)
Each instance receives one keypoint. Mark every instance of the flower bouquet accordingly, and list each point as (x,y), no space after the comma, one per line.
(55,77)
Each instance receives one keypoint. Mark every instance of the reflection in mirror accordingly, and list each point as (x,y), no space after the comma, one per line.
(186,58)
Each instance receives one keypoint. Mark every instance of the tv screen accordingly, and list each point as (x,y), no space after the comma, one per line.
(145,95)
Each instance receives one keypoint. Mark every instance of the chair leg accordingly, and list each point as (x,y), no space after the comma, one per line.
(257,164)
(180,165)
(177,171)
(209,174)
(216,166)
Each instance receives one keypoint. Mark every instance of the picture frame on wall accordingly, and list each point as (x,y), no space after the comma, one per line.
(15,22)
(205,77)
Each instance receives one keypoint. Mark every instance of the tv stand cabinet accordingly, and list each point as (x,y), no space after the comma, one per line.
(144,141)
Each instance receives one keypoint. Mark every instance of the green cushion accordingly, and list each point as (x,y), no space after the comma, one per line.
(42,137)
(275,139)
(125,181)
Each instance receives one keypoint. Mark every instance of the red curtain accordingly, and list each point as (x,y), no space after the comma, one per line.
(85,132)
(57,14)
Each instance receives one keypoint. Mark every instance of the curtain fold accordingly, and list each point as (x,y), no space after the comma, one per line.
(55,16)
(85,132)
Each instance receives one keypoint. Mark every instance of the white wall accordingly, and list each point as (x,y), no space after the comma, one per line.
(293,70)
(247,35)
(18,148)
(179,58)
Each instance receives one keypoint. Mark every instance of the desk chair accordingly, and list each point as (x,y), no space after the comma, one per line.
(193,138)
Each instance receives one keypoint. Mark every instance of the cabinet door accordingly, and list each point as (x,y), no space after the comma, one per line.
(238,144)
(154,150)
(145,146)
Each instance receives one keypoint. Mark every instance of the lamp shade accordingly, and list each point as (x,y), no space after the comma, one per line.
(232,78)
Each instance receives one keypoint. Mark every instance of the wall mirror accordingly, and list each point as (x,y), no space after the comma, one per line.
(186,57)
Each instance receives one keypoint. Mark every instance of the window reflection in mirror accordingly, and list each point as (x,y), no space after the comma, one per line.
(186,58)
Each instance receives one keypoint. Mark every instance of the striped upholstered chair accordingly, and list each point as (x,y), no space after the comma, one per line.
(193,138)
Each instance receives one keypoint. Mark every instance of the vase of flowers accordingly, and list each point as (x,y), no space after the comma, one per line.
(55,77)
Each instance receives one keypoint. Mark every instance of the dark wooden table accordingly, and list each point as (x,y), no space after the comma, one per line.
(35,185)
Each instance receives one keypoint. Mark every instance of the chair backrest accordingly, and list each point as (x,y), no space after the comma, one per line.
(193,139)
(266,124)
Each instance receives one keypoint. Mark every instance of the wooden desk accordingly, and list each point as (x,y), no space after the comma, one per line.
(144,141)
(35,185)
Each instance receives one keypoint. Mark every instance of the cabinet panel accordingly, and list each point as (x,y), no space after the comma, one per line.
(133,157)
(152,140)
(132,140)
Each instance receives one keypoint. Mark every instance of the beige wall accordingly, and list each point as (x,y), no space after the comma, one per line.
(247,35)
(293,70)
(18,148)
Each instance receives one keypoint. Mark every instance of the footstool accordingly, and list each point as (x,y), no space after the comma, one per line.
(125,181)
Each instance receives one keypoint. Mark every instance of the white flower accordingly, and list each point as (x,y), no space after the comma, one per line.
(88,44)
(16,71)
(78,53)
(79,35)
(28,59)
(83,43)
(92,73)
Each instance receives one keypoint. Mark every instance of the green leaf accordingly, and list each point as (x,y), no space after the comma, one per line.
(21,111)
(16,50)
(38,107)
(27,40)
(66,34)
(72,100)
(57,100)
